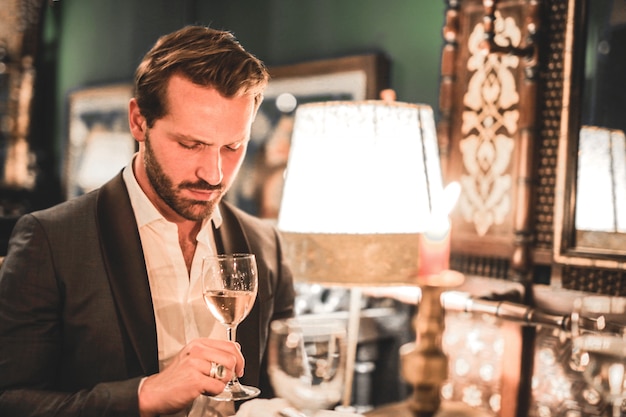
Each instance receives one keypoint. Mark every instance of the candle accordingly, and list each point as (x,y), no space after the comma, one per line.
(434,250)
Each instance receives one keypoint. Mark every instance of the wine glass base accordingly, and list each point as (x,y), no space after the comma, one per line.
(243,392)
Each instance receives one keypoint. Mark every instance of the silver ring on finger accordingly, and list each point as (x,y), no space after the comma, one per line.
(217,371)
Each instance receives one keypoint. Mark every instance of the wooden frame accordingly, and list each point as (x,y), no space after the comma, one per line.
(537,242)
(575,266)
(99,142)
(541,233)
(258,187)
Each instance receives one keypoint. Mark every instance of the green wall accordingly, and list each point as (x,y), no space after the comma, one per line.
(99,42)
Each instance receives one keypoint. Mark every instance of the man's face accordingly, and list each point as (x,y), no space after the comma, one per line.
(190,157)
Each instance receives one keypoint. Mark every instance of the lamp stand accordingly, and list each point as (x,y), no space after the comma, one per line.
(354,318)
(424,363)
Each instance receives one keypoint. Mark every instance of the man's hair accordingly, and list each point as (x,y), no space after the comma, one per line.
(207,57)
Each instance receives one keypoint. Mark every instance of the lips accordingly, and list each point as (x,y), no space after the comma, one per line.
(204,194)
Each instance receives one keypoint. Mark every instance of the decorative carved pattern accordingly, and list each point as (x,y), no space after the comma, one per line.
(595,280)
(550,103)
(484,266)
(475,347)
(489,123)
(487,132)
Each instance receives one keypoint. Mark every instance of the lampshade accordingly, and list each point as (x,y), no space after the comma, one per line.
(360,184)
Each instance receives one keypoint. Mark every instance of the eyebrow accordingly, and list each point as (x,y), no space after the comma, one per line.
(183,137)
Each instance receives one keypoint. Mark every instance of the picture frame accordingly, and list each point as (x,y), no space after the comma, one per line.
(99,142)
(258,187)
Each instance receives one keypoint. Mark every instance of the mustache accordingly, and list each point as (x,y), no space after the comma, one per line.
(201,185)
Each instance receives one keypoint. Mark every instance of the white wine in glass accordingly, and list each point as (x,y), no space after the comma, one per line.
(229,288)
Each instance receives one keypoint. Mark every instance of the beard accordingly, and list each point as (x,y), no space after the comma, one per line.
(190,209)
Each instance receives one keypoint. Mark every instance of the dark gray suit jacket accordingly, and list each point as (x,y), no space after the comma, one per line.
(77,328)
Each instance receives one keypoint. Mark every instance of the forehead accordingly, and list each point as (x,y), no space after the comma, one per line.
(199,108)
(183,91)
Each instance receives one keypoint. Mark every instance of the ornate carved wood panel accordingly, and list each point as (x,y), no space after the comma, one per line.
(487,132)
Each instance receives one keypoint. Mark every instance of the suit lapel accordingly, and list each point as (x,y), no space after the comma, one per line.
(124,259)
(230,237)
(233,240)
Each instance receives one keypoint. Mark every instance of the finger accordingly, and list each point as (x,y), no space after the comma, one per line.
(219,351)
(218,371)
(233,361)
(227,353)
(202,347)
(212,386)
(226,345)
(239,366)
(239,371)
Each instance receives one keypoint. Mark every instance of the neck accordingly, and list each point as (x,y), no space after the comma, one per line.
(187,232)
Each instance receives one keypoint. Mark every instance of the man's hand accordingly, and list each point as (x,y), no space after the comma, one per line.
(187,376)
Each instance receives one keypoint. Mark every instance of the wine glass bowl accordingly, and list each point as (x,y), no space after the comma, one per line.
(229,289)
(306,362)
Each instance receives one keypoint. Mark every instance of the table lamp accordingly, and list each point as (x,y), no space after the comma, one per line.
(362,182)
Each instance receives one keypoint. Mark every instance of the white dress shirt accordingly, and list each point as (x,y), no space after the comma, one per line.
(179,309)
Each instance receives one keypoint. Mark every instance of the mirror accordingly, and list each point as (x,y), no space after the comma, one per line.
(600,217)
(590,226)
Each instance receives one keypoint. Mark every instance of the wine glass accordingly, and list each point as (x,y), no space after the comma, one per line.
(599,348)
(306,362)
(229,288)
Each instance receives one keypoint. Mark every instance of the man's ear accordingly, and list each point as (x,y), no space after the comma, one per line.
(136,121)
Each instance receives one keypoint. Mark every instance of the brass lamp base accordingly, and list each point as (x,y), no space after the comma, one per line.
(424,364)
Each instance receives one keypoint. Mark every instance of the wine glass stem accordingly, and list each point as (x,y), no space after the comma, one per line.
(233,384)
(230,333)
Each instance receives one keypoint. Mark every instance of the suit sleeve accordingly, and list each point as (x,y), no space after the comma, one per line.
(285,292)
(32,342)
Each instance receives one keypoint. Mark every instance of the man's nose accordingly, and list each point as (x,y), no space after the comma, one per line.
(211,169)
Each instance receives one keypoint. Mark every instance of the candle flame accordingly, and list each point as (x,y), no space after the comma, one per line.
(450,196)
(442,206)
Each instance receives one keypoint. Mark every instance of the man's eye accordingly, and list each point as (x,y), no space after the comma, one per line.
(234,146)
(191,145)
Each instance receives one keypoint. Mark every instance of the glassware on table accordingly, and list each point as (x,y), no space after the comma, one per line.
(229,288)
(306,362)
(599,347)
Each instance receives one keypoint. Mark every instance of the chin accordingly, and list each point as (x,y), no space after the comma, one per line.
(200,210)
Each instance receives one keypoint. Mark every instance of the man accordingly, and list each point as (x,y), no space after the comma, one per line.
(101,312)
